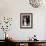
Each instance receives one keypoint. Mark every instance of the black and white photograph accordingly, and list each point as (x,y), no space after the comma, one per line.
(26,20)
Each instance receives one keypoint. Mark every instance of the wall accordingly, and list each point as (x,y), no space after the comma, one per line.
(13,8)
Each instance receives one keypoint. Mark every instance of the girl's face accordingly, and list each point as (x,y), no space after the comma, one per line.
(25,19)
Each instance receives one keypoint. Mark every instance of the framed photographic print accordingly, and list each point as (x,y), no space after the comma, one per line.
(26,20)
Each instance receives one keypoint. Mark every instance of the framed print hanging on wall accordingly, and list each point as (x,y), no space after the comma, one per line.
(26,20)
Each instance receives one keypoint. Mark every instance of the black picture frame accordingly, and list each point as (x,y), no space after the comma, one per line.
(26,20)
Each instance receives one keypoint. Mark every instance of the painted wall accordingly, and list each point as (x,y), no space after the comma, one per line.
(13,8)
